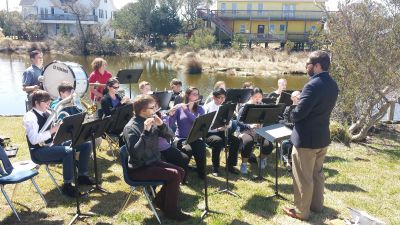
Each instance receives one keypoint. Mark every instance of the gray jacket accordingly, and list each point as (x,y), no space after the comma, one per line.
(143,145)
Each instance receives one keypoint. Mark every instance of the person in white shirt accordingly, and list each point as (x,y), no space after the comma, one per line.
(216,138)
(41,148)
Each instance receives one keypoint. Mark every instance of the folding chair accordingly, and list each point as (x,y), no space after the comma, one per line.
(46,166)
(14,176)
(137,184)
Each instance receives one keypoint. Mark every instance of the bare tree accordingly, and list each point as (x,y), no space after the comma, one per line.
(80,11)
(364,40)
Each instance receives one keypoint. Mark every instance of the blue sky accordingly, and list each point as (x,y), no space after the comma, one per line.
(14,4)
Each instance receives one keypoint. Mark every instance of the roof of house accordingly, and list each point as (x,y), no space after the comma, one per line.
(27,2)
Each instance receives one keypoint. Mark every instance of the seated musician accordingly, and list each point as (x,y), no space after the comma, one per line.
(169,153)
(176,88)
(33,121)
(287,144)
(248,136)
(217,85)
(141,137)
(112,99)
(282,83)
(184,115)
(65,90)
(145,88)
(216,137)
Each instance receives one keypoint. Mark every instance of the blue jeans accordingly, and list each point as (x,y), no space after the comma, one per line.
(63,154)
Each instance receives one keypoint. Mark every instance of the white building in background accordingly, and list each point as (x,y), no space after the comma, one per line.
(55,20)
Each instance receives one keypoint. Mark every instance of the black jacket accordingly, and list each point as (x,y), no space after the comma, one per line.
(312,114)
(143,145)
(106,105)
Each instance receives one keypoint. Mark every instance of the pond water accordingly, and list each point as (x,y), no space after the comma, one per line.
(158,73)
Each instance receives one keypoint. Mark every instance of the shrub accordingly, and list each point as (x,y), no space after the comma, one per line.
(202,38)
(289,46)
(181,41)
(339,133)
(237,41)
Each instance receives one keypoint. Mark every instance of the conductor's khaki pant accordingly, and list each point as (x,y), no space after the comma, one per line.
(308,180)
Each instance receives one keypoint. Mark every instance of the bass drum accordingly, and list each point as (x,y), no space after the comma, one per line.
(57,72)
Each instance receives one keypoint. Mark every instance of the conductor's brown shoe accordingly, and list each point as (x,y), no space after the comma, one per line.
(292,213)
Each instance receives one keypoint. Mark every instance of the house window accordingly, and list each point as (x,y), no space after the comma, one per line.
(106,13)
(234,7)
(52,10)
(260,7)
(249,8)
(288,11)
(282,27)
(41,11)
(313,28)
(223,6)
(242,28)
(94,12)
(271,27)
(101,15)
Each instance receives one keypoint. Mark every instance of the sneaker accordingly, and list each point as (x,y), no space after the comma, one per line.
(243,168)
(263,163)
(252,158)
(215,172)
(69,190)
(233,170)
(85,180)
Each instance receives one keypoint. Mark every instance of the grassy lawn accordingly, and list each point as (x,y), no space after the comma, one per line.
(361,176)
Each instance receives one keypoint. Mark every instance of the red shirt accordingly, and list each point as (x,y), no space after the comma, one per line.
(96,76)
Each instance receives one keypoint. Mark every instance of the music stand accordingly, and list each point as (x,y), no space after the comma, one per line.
(69,130)
(261,114)
(199,130)
(120,118)
(129,76)
(222,119)
(286,97)
(89,132)
(238,95)
(163,99)
(275,133)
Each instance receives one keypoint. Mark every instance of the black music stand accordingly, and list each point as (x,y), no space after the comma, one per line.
(129,76)
(238,95)
(89,132)
(275,133)
(199,130)
(261,114)
(120,118)
(286,97)
(163,99)
(222,119)
(69,130)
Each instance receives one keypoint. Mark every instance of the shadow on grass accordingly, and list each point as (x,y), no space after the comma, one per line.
(330,172)
(392,153)
(29,217)
(331,159)
(344,188)
(262,206)
(321,218)
(238,222)
(114,202)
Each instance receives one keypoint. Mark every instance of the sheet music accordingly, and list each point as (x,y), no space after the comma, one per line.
(279,132)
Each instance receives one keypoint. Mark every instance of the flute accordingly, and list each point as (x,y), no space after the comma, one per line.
(180,105)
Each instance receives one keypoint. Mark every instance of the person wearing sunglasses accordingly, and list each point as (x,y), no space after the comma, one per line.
(112,99)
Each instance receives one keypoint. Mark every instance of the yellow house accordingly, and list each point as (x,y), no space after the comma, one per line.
(267,20)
